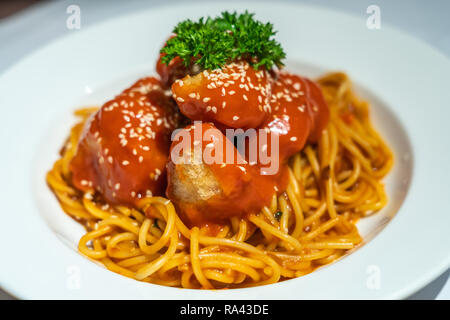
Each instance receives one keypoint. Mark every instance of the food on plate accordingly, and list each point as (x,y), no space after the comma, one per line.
(225,170)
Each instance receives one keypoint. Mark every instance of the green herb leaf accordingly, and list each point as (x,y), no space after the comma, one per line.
(212,43)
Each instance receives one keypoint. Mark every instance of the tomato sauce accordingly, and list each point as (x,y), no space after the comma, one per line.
(124,151)
(124,146)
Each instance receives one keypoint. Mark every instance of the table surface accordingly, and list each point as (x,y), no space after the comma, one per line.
(35,23)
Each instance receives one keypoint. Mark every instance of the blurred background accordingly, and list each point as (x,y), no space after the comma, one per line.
(25,25)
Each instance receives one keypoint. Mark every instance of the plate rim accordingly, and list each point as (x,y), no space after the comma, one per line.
(406,290)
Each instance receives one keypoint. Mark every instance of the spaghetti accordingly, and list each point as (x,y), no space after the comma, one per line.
(331,185)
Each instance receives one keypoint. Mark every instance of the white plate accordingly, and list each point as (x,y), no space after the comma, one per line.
(407,244)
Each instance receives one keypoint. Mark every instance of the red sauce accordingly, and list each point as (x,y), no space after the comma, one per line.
(169,73)
(299,113)
(348,117)
(294,109)
(236,96)
(124,146)
(240,189)
(123,152)
(318,109)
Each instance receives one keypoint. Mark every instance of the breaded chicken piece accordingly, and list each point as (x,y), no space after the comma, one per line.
(124,146)
(204,188)
(234,96)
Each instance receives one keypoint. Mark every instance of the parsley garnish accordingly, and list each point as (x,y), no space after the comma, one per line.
(212,43)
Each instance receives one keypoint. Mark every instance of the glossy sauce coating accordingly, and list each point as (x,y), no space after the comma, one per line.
(318,109)
(176,69)
(236,96)
(124,146)
(206,190)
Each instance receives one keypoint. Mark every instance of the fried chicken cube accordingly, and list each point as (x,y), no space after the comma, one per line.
(234,96)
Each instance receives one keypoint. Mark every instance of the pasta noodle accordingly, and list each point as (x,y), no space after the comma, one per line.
(331,185)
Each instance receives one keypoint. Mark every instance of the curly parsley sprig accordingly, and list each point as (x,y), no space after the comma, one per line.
(212,43)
